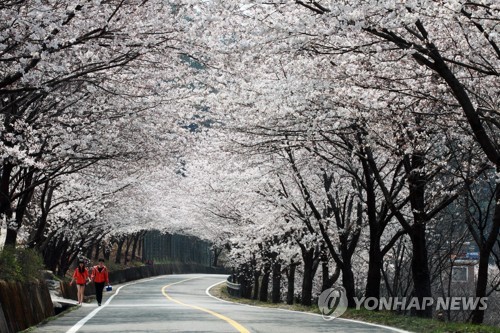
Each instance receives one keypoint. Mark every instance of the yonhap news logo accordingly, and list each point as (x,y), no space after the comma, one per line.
(414,303)
(332,303)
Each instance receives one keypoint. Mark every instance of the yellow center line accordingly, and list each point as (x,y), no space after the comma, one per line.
(233,323)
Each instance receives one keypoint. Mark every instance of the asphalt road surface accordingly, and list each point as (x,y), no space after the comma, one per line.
(181,303)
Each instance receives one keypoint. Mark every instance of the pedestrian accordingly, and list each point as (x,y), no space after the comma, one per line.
(81,276)
(100,277)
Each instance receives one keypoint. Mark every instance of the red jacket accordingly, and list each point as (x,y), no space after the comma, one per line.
(101,276)
(81,278)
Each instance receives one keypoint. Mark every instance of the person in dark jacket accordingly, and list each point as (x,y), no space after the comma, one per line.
(100,277)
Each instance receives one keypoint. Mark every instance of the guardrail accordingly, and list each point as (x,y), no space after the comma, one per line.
(233,289)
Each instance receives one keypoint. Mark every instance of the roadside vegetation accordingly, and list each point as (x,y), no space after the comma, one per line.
(412,324)
(17,264)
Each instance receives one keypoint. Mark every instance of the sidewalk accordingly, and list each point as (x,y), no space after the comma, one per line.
(71,315)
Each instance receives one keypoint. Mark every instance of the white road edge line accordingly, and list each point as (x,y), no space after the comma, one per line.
(84,320)
(207,291)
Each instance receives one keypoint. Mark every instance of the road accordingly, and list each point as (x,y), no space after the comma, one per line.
(181,303)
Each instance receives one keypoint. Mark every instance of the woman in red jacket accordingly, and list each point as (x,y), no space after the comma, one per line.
(100,276)
(81,275)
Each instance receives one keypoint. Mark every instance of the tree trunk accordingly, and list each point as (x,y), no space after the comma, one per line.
(22,205)
(308,276)
(348,281)
(90,250)
(97,250)
(118,258)
(484,257)
(5,200)
(37,237)
(50,259)
(374,265)
(64,260)
(276,293)
(217,252)
(264,286)
(106,252)
(374,254)
(244,279)
(11,237)
(129,242)
(325,276)
(420,269)
(139,245)
(134,246)
(291,284)
(256,277)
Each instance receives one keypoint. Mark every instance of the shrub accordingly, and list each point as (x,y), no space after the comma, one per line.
(30,262)
(20,264)
(9,267)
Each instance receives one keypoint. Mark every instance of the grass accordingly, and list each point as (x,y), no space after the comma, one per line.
(414,324)
(387,318)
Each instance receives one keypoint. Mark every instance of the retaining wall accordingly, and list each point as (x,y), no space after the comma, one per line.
(23,305)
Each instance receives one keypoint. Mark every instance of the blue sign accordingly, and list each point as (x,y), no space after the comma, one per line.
(472,255)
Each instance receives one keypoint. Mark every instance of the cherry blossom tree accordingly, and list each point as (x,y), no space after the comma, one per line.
(80,83)
(294,45)
(456,42)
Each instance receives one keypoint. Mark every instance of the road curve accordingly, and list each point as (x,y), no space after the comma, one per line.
(180,303)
